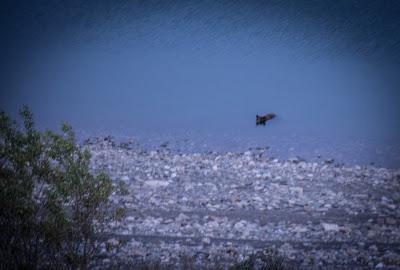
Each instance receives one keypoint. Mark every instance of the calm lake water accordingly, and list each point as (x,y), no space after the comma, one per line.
(196,74)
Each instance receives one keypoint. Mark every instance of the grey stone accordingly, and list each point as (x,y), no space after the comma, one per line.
(180,201)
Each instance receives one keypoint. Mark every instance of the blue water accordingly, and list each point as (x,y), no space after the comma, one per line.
(196,74)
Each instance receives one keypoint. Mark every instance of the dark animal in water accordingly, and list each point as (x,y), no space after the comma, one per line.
(261,120)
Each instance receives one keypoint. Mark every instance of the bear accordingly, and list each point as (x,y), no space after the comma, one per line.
(261,120)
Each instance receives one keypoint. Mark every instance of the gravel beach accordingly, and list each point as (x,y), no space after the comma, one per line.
(214,209)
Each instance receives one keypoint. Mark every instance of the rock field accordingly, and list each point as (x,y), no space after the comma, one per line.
(217,208)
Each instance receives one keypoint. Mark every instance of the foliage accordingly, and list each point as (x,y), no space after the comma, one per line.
(51,206)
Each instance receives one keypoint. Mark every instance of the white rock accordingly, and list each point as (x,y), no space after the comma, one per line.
(156,183)
(240,225)
(130,219)
(257,198)
(113,242)
(206,240)
(182,217)
(125,178)
(258,188)
(300,229)
(298,190)
(330,227)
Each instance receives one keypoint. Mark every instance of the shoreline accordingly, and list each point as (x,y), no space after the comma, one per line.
(351,153)
(221,207)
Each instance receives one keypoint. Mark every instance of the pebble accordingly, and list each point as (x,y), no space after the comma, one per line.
(330,227)
(183,200)
(156,183)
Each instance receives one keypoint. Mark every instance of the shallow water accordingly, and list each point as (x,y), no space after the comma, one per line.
(197,74)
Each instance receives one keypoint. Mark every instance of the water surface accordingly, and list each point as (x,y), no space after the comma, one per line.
(196,74)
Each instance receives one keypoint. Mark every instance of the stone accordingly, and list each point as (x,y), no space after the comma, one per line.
(328,227)
(206,240)
(182,217)
(240,225)
(156,183)
(111,244)
(344,229)
(391,221)
(300,229)
(297,190)
(184,200)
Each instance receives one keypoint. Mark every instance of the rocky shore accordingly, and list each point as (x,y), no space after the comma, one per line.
(214,209)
